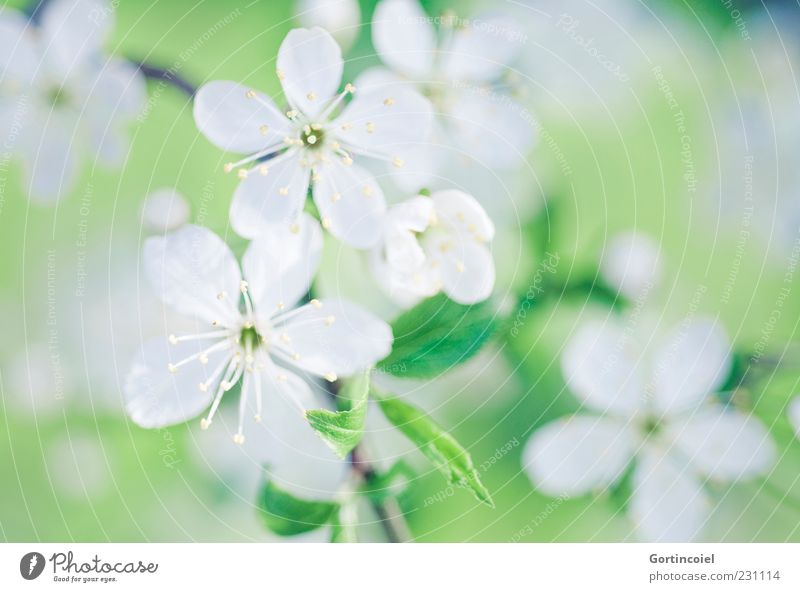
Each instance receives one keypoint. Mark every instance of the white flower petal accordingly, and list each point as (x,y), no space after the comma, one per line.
(467,271)
(118,92)
(194,272)
(724,445)
(668,504)
(336,338)
(404,37)
(491,127)
(164,209)
(414,214)
(601,370)
(279,265)
(264,201)
(234,121)
(156,397)
(350,202)
(462,211)
(578,454)
(310,66)
(481,51)
(692,361)
(74,32)
(386,123)
(19,57)
(49,147)
(631,264)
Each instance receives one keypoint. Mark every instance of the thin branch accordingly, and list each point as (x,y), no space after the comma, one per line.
(165,76)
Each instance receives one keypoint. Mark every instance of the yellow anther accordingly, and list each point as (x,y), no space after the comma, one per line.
(202,387)
(291,114)
(243,286)
(316,303)
(250,94)
(389,101)
(238,439)
(326,223)
(330,320)
(204,423)
(285,337)
(172,368)
(367,191)
(349,88)
(283,191)
(228,167)
(294,228)
(257,418)
(336,197)
(346,126)
(330,377)
(296,356)
(263,130)
(347,161)
(173,340)
(203,359)
(370,127)
(263,170)
(222,295)
(311,96)
(398,162)
(242,174)
(281,74)
(460,266)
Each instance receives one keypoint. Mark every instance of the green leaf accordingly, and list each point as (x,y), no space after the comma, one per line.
(441,448)
(436,335)
(287,515)
(342,430)
(384,485)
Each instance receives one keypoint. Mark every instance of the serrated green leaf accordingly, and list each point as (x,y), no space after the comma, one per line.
(287,515)
(436,335)
(437,445)
(342,430)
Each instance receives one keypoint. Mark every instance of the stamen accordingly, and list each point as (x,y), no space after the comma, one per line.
(348,89)
(388,101)
(201,354)
(330,320)
(263,130)
(220,391)
(370,127)
(330,377)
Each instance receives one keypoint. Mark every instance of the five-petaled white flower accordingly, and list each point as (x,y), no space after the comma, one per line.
(311,144)
(60,98)
(253,332)
(457,68)
(436,243)
(654,395)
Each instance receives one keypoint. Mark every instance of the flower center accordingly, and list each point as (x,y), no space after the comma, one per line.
(651,427)
(56,96)
(312,136)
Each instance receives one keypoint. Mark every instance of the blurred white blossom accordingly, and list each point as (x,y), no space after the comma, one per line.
(62,101)
(342,18)
(631,264)
(459,66)
(164,209)
(652,394)
(313,143)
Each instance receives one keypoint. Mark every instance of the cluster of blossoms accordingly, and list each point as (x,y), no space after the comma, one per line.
(257,327)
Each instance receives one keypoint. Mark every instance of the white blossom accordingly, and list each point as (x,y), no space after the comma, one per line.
(459,66)
(631,264)
(248,330)
(436,243)
(61,100)
(164,209)
(652,395)
(314,143)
